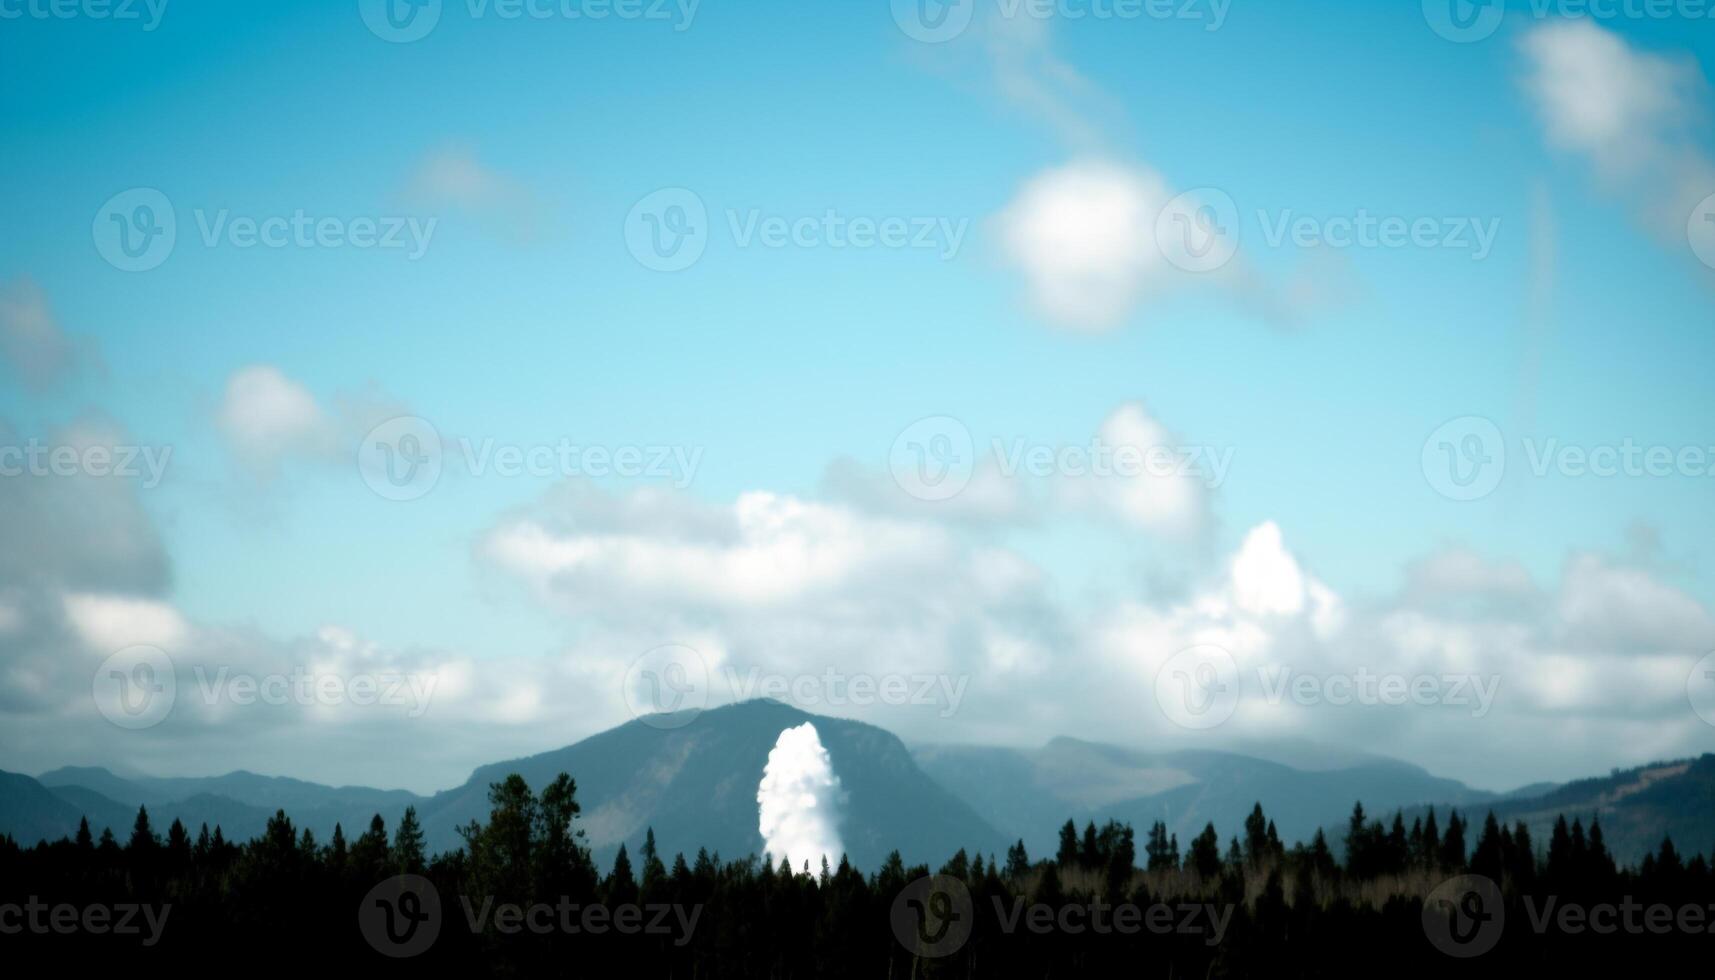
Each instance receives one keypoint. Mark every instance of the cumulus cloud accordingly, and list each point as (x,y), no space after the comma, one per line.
(1164,487)
(453,178)
(1083,237)
(79,531)
(798,801)
(32,344)
(780,583)
(1597,665)
(1633,114)
(1093,239)
(268,418)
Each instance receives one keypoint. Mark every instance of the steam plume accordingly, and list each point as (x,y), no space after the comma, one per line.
(798,800)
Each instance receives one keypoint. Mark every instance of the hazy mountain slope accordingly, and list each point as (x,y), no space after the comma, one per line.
(31,812)
(239,803)
(1637,807)
(696,785)
(1028,794)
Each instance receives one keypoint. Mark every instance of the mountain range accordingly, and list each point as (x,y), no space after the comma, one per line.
(696,784)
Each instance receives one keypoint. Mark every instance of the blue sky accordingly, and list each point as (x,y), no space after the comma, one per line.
(528,320)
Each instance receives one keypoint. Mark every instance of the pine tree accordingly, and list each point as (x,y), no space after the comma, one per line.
(1017,861)
(143,839)
(654,872)
(1205,854)
(408,854)
(1068,853)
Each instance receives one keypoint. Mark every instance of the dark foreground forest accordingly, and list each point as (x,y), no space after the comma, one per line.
(524,896)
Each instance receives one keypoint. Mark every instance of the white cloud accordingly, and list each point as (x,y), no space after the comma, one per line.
(267,418)
(1598,96)
(31,340)
(107,623)
(1168,495)
(1633,114)
(452,177)
(1083,237)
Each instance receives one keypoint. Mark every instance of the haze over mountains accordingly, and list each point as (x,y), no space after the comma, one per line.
(696,784)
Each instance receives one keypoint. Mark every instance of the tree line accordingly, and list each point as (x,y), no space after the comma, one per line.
(287,900)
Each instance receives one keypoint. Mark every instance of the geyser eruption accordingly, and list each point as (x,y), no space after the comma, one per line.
(798,801)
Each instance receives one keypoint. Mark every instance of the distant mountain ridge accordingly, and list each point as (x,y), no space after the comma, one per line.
(696,784)
(1637,808)
(1029,793)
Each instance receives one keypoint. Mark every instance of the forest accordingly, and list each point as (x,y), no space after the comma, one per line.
(524,894)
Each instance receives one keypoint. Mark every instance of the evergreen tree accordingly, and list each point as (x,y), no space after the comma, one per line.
(408,843)
(1068,853)
(143,839)
(1017,861)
